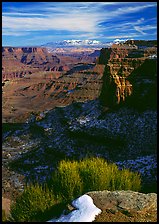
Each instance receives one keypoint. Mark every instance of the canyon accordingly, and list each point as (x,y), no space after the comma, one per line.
(35,80)
(61,104)
(18,62)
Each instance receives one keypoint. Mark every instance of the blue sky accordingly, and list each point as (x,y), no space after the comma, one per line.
(36,23)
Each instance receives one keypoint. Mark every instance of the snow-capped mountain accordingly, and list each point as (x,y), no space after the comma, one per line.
(118,41)
(82,43)
(76,43)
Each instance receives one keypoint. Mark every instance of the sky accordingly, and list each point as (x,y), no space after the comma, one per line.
(37,23)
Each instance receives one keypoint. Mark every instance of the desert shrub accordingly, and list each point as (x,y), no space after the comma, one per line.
(97,174)
(67,181)
(125,180)
(75,178)
(94,174)
(32,203)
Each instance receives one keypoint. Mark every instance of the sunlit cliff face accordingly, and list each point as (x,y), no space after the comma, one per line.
(124,65)
(116,86)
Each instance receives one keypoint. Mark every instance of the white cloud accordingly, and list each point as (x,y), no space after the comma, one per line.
(76,23)
(132,9)
(149,27)
(140,20)
(21,14)
(7,32)
(144,28)
(139,29)
(130,35)
(83,17)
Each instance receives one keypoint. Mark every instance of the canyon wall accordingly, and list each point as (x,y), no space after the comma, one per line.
(20,61)
(123,73)
(125,67)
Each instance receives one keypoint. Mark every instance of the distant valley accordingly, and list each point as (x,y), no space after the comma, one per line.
(38,78)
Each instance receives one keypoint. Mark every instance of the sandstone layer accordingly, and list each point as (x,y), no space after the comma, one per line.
(126,69)
(35,80)
(18,62)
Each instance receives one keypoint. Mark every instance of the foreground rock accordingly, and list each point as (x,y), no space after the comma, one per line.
(125,206)
(107,206)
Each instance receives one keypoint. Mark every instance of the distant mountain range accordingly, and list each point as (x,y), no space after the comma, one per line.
(96,43)
(76,43)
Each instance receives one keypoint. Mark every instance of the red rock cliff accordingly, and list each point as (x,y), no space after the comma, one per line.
(121,63)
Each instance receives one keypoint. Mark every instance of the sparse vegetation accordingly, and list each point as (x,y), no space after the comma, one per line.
(75,178)
(31,205)
(70,180)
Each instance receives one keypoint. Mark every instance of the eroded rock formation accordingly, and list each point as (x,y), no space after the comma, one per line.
(46,90)
(20,61)
(121,64)
(44,81)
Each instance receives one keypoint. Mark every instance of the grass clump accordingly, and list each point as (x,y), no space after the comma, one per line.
(31,205)
(75,178)
(93,174)
(67,181)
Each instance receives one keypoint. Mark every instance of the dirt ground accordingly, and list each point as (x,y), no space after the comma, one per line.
(111,216)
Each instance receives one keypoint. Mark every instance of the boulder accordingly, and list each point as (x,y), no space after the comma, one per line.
(125,206)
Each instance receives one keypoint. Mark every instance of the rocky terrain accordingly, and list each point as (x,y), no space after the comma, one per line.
(34,148)
(127,74)
(121,206)
(43,80)
(42,91)
(125,206)
(105,110)
(16,62)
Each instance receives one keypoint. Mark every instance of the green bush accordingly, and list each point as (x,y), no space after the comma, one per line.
(75,178)
(94,174)
(31,205)
(125,180)
(67,181)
